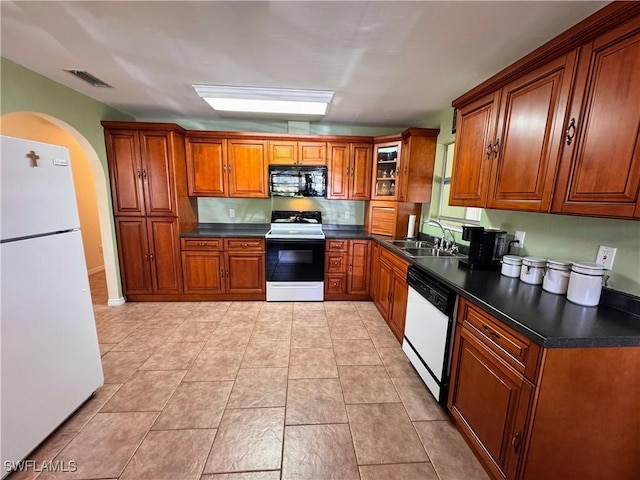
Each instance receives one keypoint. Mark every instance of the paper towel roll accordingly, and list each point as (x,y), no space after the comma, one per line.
(412,226)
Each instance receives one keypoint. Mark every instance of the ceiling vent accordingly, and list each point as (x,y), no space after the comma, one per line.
(87,77)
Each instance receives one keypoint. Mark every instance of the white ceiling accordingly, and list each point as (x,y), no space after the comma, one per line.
(390,63)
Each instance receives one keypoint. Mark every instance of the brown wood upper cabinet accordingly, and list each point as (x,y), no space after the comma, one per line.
(509,142)
(142,170)
(285,152)
(219,167)
(403,166)
(600,169)
(349,166)
(559,130)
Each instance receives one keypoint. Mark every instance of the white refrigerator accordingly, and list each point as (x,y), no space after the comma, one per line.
(49,356)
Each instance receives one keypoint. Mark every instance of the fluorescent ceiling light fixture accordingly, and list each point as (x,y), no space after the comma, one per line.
(265,100)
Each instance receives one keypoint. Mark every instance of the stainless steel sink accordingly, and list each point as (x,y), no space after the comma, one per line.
(412,244)
(428,252)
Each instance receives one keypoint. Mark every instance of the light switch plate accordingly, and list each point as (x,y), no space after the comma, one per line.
(606,255)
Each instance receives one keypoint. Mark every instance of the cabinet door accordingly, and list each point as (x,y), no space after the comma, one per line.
(358,274)
(375,274)
(206,167)
(125,170)
(398,305)
(382,218)
(312,153)
(385,286)
(476,126)
(247,168)
(157,173)
(245,272)
(360,172)
(133,253)
(530,132)
(386,168)
(489,402)
(166,271)
(283,153)
(338,171)
(202,272)
(600,170)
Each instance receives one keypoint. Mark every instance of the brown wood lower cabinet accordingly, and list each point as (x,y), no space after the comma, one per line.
(533,413)
(233,267)
(149,255)
(346,269)
(392,290)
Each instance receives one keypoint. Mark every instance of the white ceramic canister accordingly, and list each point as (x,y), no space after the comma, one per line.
(533,270)
(556,277)
(511,266)
(585,284)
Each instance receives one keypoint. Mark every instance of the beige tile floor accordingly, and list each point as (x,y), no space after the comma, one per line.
(254,390)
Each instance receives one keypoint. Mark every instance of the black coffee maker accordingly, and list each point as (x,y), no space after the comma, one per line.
(486,247)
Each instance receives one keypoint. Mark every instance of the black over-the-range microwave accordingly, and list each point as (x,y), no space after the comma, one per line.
(297,180)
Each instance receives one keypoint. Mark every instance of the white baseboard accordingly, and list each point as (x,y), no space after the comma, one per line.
(99,269)
(116,302)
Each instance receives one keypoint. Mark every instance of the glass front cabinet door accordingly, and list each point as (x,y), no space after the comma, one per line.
(386,170)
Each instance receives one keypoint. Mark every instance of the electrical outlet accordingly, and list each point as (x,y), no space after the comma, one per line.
(520,237)
(232,213)
(347,214)
(605,257)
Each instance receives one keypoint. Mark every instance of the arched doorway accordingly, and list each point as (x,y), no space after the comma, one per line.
(45,128)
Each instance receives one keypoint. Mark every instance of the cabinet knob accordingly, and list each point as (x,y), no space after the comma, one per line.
(139,173)
(146,257)
(496,148)
(144,175)
(244,245)
(227,273)
(489,150)
(516,441)
(570,132)
(201,244)
(222,272)
(151,257)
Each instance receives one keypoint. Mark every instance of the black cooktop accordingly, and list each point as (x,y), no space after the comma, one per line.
(290,216)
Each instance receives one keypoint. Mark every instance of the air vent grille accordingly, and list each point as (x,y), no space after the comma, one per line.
(87,77)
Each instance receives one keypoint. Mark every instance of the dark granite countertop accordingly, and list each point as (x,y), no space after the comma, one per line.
(549,320)
(228,230)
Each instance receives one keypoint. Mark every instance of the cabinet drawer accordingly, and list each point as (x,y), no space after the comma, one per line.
(335,263)
(337,246)
(396,261)
(335,283)
(520,352)
(201,243)
(244,244)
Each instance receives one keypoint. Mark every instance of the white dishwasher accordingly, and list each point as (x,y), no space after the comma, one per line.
(428,330)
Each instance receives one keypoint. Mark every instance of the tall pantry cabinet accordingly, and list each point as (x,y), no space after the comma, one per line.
(147,171)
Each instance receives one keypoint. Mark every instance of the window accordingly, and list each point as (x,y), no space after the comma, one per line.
(447,213)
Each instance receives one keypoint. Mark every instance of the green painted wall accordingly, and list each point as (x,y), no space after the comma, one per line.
(552,236)
(25,91)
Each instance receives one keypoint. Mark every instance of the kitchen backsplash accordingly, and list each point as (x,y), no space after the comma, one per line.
(216,210)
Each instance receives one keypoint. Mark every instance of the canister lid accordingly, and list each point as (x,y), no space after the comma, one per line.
(534,261)
(512,259)
(559,265)
(588,268)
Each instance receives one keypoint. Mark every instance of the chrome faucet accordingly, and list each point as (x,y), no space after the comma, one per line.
(449,246)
